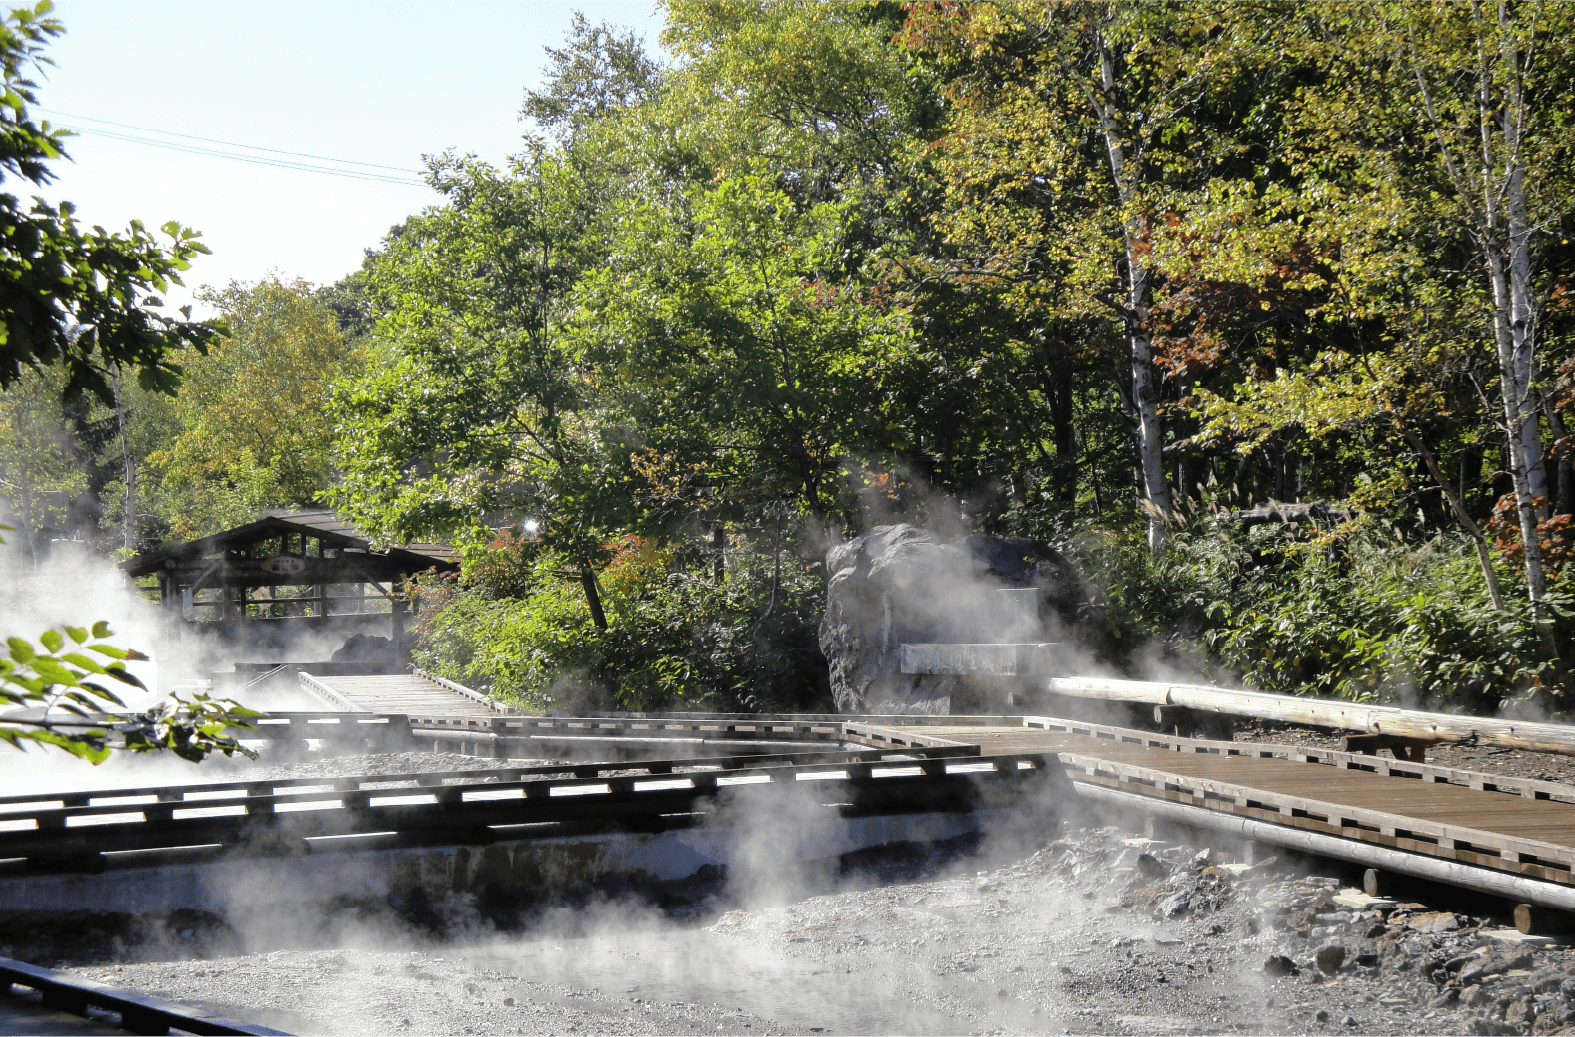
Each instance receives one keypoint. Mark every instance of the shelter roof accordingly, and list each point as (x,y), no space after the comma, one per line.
(343,546)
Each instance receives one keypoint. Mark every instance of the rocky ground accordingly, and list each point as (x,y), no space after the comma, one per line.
(1089,930)
(1487,758)
(1097,931)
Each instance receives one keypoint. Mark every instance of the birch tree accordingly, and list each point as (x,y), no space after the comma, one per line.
(1072,123)
(1464,108)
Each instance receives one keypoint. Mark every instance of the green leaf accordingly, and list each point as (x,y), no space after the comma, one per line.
(119,673)
(78,659)
(104,693)
(21,651)
(101,629)
(52,640)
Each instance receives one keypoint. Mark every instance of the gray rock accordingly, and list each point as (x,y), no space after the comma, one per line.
(896,585)
(1279,965)
(1174,904)
(1475,996)
(1330,957)
(1481,1024)
(1521,1014)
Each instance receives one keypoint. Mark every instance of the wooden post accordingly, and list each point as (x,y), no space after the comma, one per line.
(1376,883)
(1543,921)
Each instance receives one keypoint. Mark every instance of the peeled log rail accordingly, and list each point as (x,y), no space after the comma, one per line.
(1346,716)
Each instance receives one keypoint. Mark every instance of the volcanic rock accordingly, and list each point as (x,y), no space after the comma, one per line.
(896,585)
(1330,957)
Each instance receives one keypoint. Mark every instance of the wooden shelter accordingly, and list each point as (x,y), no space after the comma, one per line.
(289,572)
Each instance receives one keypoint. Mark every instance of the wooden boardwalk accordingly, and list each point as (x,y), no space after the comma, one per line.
(1520,826)
(393,693)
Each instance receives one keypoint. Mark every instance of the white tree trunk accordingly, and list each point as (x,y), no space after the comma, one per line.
(1145,400)
(1521,460)
(1150,437)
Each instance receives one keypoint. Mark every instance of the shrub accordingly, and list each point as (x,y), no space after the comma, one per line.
(676,638)
(1354,613)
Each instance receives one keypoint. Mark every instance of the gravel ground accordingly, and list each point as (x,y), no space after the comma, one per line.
(1516,763)
(1095,932)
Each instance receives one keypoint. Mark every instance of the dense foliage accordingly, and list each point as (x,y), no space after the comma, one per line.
(1104,273)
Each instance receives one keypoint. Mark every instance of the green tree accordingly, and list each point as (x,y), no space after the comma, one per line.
(599,73)
(475,404)
(1073,127)
(79,297)
(40,472)
(748,353)
(1467,107)
(252,412)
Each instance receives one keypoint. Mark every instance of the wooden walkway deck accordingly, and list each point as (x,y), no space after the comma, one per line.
(394,693)
(1519,826)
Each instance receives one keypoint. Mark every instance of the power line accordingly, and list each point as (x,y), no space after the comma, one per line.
(228,143)
(303,167)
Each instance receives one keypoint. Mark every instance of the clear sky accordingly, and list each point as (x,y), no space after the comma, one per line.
(372,82)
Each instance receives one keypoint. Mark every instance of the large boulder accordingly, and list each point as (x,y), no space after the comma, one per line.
(896,585)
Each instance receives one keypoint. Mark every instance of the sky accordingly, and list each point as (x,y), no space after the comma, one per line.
(378,83)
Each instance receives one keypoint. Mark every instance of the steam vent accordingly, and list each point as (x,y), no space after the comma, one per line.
(988,837)
(916,625)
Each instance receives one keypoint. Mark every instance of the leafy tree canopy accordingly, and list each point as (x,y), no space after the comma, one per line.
(81,297)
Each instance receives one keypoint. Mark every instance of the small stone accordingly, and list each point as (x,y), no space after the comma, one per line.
(1567,988)
(1475,996)
(1433,922)
(508,1002)
(1330,957)
(1279,965)
(1321,1016)
(1520,1014)
(1150,866)
(1174,904)
(1349,1020)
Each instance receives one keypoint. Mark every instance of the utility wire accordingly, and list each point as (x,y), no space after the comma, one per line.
(227,143)
(264,160)
(258,160)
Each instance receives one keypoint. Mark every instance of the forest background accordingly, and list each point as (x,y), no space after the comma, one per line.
(1103,274)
